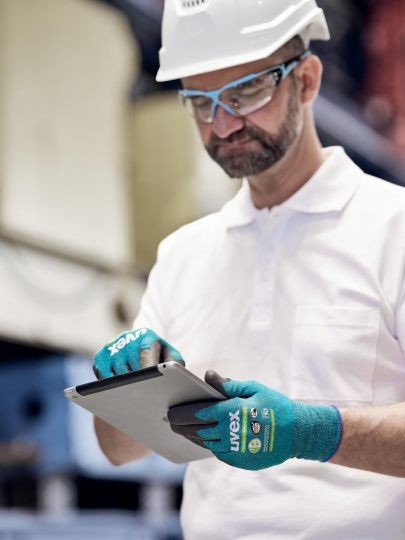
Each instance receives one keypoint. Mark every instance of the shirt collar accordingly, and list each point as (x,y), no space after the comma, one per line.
(328,190)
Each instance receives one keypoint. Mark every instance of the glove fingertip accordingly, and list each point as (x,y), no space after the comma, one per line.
(215,380)
(175,355)
(96,372)
(104,373)
(148,356)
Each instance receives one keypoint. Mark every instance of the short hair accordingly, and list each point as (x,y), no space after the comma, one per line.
(294,47)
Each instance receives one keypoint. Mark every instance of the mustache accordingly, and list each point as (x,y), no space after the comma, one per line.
(248,133)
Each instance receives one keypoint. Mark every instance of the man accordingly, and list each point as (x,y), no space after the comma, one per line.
(297,285)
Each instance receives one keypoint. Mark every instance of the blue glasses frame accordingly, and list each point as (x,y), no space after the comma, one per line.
(285,69)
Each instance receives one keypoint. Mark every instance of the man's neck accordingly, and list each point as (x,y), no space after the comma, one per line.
(279,183)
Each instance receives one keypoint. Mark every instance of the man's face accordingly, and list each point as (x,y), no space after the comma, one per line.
(250,145)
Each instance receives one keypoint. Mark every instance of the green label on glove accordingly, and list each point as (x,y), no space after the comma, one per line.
(265,428)
(257,427)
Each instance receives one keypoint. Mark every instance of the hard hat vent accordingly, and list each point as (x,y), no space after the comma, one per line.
(186,4)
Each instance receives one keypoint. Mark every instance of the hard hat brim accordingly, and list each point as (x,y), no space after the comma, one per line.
(316,30)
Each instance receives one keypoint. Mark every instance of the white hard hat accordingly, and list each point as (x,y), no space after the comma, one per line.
(200,36)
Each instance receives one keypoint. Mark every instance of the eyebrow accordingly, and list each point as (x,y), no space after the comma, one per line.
(252,73)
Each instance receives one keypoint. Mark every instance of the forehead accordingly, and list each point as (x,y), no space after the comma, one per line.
(216,79)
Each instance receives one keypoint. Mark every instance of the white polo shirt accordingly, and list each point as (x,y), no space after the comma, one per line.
(309,299)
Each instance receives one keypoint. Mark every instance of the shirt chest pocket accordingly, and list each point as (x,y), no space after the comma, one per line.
(334,353)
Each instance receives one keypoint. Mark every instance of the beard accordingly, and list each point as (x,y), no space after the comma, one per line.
(241,162)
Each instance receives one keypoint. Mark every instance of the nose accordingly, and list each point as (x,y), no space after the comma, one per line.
(225,124)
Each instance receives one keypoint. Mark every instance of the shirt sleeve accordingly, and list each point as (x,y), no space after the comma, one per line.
(400,324)
(152,312)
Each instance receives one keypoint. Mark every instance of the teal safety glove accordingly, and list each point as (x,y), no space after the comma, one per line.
(257,427)
(131,351)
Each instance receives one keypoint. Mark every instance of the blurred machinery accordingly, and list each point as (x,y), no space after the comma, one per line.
(384,95)
(71,279)
(50,462)
(353,90)
(66,264)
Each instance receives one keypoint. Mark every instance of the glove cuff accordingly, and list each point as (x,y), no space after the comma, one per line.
(317,431)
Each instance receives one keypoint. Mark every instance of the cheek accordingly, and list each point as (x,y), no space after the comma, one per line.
(271,116)
(266,119)
(205,131)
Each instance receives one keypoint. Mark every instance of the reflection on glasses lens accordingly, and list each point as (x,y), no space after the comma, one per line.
(243,98)
(240,99)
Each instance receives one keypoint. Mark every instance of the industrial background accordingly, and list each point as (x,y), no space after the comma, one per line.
(97,164)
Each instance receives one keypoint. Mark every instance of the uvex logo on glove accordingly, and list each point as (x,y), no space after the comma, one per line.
(123,340)
(257,427)
(131,351)
(239,431)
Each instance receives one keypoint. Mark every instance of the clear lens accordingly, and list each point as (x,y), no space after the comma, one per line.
(242,99)
(251,95)
(199,107)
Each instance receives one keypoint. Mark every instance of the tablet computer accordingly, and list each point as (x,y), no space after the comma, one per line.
(137,404)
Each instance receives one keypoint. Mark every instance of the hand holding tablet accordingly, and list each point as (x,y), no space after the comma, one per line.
(141,378)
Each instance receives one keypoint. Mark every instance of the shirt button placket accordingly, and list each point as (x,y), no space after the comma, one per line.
(261,316)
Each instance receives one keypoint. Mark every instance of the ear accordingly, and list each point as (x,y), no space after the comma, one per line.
(310,75)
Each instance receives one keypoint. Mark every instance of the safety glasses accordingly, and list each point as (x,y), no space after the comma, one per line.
(241,97)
